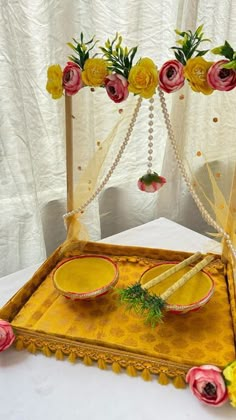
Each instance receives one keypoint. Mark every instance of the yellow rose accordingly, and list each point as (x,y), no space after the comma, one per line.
(95,72)
(232,395)
(54,83)
(230,373)
(195,72)
(143,78)
(230,376)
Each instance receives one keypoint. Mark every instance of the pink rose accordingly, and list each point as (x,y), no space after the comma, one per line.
(207,384)
(220,78)
(117,87)
(171,76)
(6,335)
(151,182)
(72,80)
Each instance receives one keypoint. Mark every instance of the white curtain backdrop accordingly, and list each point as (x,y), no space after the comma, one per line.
(33,35)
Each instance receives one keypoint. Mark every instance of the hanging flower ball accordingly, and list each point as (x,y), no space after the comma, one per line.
(151,182)
(6,335)
(207,384)
(171,76)
(221,78)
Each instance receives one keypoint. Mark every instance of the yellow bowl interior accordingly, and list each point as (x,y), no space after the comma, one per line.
(83,275)
(193,291)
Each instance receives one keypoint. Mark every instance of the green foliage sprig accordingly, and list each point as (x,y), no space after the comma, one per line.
(120,60)
(82,50)
(228,52)
(190,43)
(149,306)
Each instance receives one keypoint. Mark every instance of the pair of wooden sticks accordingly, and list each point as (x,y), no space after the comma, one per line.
(151,306)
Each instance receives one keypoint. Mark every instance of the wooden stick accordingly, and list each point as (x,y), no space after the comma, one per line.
(69,152)
(198,267)
(171,271)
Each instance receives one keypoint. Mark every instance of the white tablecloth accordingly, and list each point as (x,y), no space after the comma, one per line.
(34,387)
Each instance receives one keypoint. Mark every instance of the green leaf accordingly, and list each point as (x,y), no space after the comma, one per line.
(133,54)
(179,32)
(217,50)
(230,65)
(71,46)
(226,50)
(90,41)
(201,53)
(179,57)
(199,29)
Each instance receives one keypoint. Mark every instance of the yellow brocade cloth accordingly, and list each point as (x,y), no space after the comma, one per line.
(104,329)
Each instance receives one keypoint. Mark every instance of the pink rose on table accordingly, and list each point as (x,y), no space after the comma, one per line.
(151,182)
(220,78)
(171,76)
(6,335)
(117,87)
(207,384)
(72,80)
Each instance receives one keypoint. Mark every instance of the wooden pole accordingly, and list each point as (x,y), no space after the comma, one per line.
(231,223)
(69,152)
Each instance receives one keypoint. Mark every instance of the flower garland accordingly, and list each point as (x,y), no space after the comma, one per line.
(115,70)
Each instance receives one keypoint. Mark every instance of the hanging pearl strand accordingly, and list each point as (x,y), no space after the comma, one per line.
(113,166)
(195,197)
(150,135)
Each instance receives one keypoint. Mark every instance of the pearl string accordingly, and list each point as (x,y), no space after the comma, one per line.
(113,166)
(206,216)
(150,135)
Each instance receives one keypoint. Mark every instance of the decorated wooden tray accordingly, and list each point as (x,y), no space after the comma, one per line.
(104,331)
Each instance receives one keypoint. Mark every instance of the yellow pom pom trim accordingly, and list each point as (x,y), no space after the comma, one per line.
(46,351)
(102,364)
(131,370)
(163,379)
(179,382)
(72,357)
(146,375)
(59,355)
(116,367)
(19,345)
(32,348)
(87,360)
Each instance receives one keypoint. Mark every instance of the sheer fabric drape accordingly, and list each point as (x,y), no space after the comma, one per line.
(33,35)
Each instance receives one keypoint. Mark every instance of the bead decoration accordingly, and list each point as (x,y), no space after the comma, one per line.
(206,216)
(150,136)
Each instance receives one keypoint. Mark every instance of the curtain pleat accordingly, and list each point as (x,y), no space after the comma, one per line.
(33,35)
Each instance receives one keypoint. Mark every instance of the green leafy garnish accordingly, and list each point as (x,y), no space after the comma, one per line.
(82,50)
(189,45)
(120,60)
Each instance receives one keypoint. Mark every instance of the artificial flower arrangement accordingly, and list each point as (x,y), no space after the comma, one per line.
(208,383)
(115,70)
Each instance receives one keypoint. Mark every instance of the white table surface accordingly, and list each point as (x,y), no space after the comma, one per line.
(34,387)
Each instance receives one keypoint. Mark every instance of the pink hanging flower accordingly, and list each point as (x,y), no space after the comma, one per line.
(72,79)
(151,182)
(220,78)
(6,335)
(117,87)
(207,384)
(171,76)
